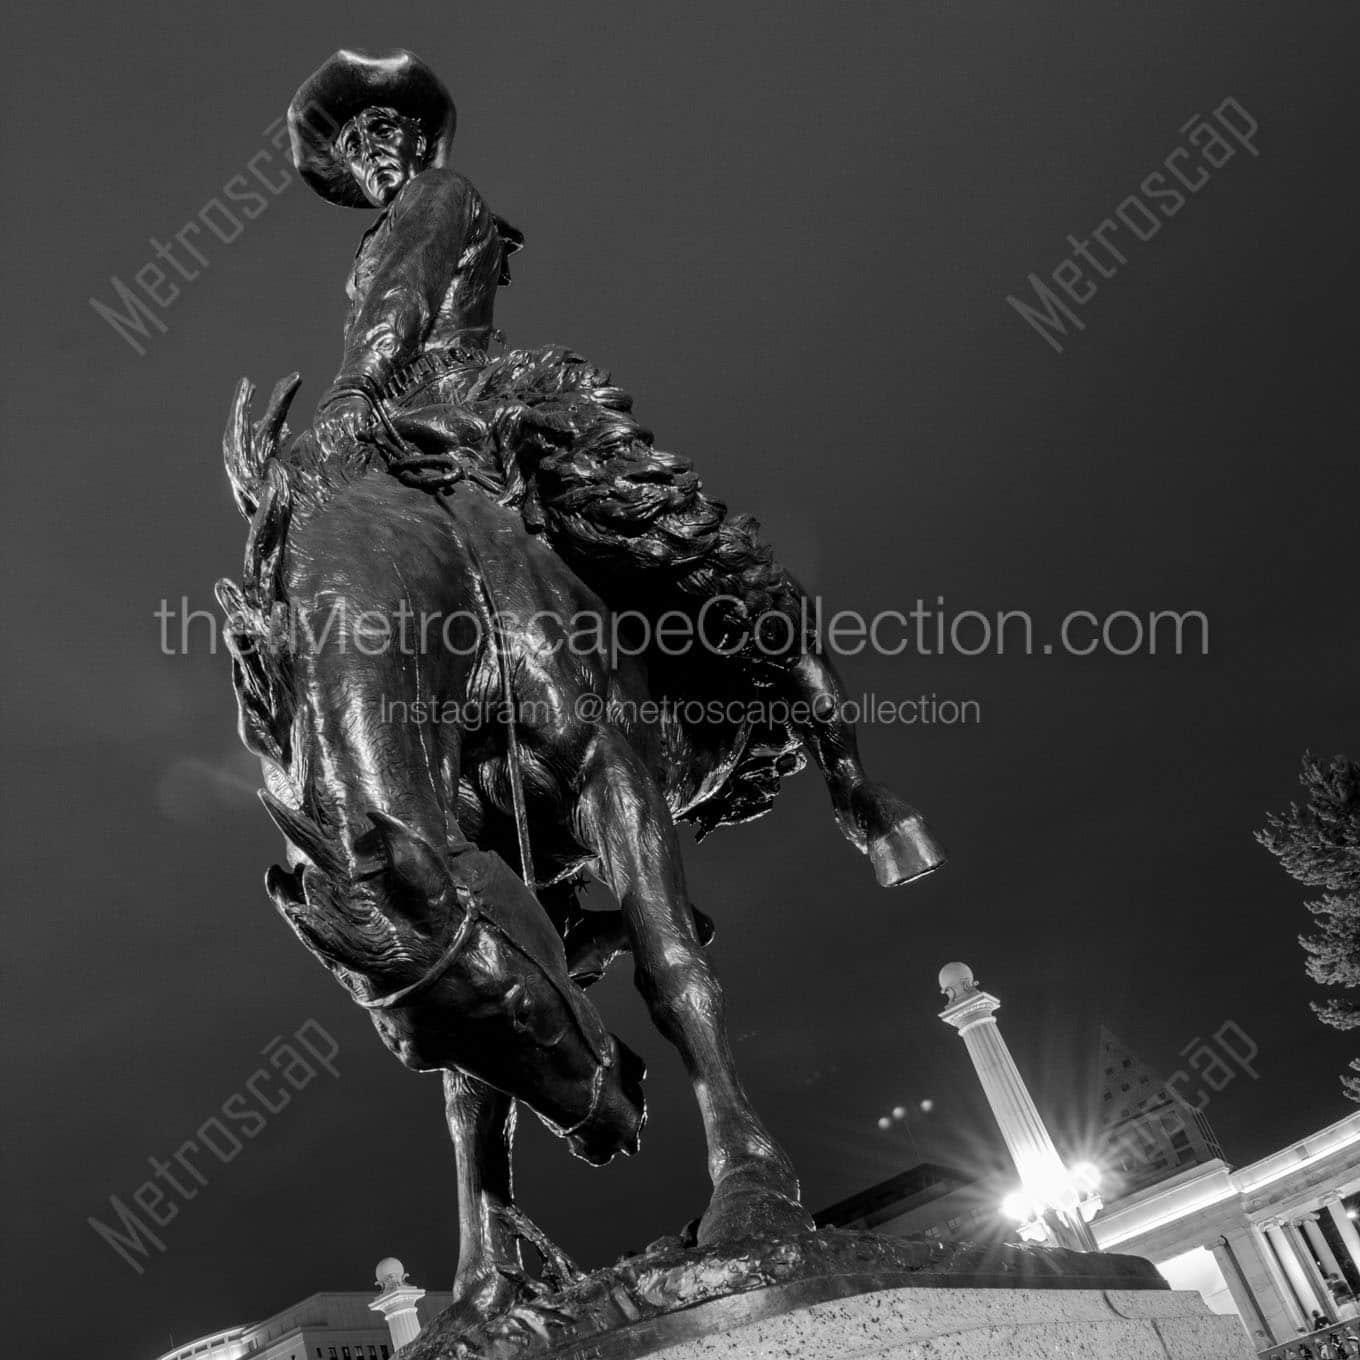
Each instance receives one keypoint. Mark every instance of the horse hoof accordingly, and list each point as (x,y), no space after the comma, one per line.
(893,834)
(752,1204)
(754,1214)
(483,1295)
(905,852)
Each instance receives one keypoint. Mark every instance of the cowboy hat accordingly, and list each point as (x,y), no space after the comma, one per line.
(346,84)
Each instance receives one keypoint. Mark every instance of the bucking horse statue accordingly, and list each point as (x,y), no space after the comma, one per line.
(408,666)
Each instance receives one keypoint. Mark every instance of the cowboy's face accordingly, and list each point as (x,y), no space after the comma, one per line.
(383,150)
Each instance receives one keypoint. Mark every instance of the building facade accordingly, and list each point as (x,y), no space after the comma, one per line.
(325,1326)
(1148,1131)
(1274,1242)
(928,1200)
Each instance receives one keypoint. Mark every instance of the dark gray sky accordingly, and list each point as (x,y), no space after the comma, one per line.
(790,231)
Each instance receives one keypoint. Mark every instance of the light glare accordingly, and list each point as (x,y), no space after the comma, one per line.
(1086,1175)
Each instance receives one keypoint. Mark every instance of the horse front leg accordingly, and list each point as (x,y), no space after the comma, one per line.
(623,817)
(871,816)
(491,1275)
(482,1125)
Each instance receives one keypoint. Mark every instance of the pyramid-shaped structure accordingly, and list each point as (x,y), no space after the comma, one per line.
(1148,1132)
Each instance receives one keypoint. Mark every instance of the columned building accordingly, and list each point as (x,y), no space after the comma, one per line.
(1274,1242)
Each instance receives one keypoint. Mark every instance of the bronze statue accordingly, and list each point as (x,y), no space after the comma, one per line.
(513,493)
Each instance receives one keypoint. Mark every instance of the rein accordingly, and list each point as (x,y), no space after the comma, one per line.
(435,971)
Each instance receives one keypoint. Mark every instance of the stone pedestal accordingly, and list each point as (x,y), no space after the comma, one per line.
(832,1295)
(951,1324)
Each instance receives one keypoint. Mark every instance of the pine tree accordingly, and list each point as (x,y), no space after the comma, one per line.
(1319,845)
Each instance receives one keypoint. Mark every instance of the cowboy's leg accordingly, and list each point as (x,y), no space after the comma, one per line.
(623,817)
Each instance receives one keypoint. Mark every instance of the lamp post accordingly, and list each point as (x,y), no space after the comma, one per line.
(1054,1203)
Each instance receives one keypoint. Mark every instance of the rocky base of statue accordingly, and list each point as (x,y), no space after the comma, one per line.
(833,1294)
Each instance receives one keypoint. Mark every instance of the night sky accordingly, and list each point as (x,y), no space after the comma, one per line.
(790,231)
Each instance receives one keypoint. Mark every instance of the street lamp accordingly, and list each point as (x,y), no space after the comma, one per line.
(901,1114)
(1063,1206)
(1072,1194)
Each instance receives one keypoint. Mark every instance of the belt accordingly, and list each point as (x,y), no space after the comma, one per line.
(434,363)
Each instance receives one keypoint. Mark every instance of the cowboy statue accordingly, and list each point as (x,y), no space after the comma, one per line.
(376,132)
(434,866)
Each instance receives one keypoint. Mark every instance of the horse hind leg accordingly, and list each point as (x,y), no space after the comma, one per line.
(893,834)
(623,817)
(596,938)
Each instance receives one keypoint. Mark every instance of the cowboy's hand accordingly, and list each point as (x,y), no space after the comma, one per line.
(346,413)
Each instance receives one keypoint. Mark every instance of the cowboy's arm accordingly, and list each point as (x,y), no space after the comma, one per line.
(428,227)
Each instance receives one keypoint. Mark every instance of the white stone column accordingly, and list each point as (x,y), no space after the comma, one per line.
(397,1302)
(1251,1309)
(1273,1257)
(1027,1139)
(1322,1248)
(1297,1239)
(1288,1255)
(1345,1225)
